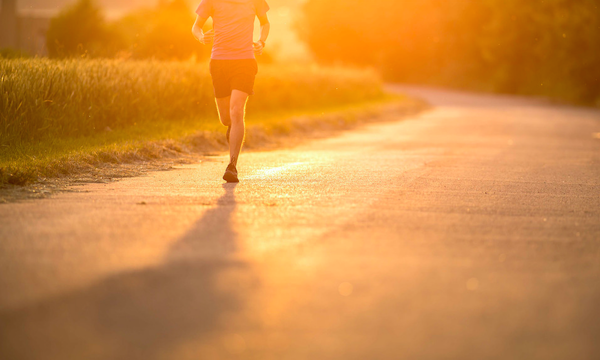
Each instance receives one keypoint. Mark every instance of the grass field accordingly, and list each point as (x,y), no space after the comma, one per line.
(56,114)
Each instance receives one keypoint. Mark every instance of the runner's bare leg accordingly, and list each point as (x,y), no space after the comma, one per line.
(223,105)
(237,112)
(231,113)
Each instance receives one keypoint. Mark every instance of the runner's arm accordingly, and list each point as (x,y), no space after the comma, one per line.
(265,28)
(204,38)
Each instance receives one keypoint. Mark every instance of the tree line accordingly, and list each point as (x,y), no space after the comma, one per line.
(162,32)
(547,47)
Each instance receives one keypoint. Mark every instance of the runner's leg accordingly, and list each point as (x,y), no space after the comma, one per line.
(237,112)
(223,105)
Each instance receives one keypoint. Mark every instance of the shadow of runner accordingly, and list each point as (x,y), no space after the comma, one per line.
(213,235)
(145,314)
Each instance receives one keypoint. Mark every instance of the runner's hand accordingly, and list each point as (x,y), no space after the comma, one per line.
(258,47)
(207,37)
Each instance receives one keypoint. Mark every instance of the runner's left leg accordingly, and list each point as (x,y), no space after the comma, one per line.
(237,111)
(223,105)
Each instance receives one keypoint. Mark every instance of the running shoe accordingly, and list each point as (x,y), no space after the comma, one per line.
(231,174)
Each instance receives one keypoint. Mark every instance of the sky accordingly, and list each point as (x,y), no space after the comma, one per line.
(282,14)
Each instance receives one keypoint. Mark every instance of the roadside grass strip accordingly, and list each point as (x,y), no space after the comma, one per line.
(184,140)
(60,117)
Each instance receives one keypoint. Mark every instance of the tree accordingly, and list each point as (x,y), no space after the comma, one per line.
(161,33)
(80,30)
(547,47)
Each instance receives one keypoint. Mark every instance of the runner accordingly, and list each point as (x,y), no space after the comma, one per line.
(233,65)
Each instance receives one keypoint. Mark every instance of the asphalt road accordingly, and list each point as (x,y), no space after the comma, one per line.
(471,231)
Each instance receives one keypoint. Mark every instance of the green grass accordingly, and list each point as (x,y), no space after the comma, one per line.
(60,117)
(41,98)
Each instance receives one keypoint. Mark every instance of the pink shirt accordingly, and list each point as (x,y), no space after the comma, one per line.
(233,22)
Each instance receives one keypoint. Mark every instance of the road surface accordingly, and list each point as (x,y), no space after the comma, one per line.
(471,231)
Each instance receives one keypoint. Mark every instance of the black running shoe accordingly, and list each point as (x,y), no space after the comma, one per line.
(231,174)
(227,133)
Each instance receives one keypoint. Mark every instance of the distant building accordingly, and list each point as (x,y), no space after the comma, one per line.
(25,32)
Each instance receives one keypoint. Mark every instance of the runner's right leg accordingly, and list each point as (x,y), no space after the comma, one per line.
(238,128)
(237,112)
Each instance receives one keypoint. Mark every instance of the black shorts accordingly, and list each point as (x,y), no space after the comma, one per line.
(228,75)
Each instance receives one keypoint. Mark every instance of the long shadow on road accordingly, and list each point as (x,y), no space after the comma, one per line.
(152,313)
